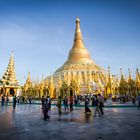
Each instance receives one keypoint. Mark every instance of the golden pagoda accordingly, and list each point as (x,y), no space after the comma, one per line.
(8,84)
(79,63)
(27,88)
(122,84)
(131,85)
(137,82)
(108,86)
(51,88)
(42,87)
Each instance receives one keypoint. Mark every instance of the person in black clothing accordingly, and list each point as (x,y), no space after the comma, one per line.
(45,110)
(42,101)
(66,103)
(2,100)
(49,102)
(101,104)
(75,100)
(30,99)
(96,104)
(14,102)
(93,100)
(18,99)
(87,109)
(7,100)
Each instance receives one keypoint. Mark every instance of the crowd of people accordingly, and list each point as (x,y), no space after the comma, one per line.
(96,101)
(19,99)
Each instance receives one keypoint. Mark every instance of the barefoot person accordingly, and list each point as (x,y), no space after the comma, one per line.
(101,103)
(59,105)
(87,109)
(96,104)
(45,110)
(66,103)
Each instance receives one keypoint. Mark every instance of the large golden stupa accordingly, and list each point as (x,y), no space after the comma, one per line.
(79,68)
(81,75)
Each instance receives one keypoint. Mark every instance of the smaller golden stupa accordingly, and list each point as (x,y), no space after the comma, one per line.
(9,84)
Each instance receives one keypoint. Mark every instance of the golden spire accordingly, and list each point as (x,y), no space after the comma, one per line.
(129,78)
(43,81)
(78,34)
(9,76)
(28,82)
(109,79)
(78,54)
(28,78)
(122,76)
(137,75)
(51,87)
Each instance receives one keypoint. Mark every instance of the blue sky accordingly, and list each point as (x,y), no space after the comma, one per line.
(41,33)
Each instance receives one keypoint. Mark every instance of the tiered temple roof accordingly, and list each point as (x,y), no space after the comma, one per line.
(9,77)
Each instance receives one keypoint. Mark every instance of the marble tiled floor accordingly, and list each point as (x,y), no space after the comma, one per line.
(26,123)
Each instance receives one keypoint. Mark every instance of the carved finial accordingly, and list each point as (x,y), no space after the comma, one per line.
(129,73)
(78,34)
(77,20)
(108,69)
(121,73)
(12,53)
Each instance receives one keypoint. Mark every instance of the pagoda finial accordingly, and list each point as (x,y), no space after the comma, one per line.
(122,76)
(137,75)
(42,77)
(28,75)
(12,52)
(137,70)
(29,78)
(28,82)
(129,73)
(109,78)
(108,70)
(78,34)
(77,19)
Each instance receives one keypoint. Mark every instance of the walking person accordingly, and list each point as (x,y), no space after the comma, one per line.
(71,103)
(42,101)
(96,104)
(30,99)
(75,100)
(59,105)
(7,100)
(66,103)
(138,98)
(18,99)
(49,102)
(2,100)
(87,109)
(92,100)
(101,104)
(14,102)
(45,109)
